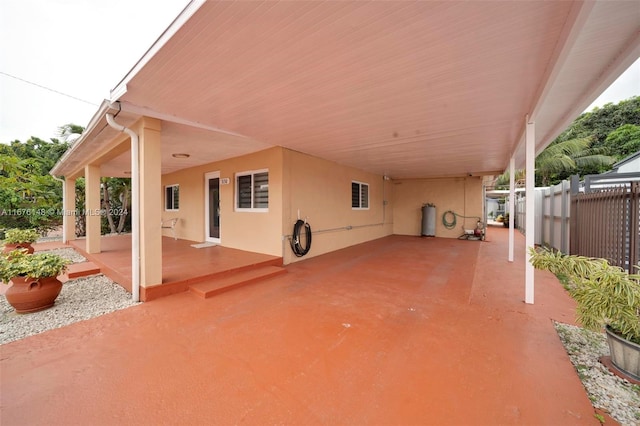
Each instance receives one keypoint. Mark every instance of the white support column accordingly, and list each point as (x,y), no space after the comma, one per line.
(512,202)
(68,210)
(530,151)
(150,202)
(92,207)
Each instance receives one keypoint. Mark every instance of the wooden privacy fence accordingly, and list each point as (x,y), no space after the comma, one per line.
(606,224)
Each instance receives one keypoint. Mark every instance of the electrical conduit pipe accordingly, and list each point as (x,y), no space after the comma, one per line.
(135,206)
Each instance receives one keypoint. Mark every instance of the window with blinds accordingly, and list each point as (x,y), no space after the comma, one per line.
(252,191)
(172,197)
(359,195)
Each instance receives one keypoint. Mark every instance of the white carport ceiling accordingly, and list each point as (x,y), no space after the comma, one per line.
(424,89)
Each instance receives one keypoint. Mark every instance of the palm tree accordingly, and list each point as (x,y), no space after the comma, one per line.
(70,132)
(563,158)
(502,182)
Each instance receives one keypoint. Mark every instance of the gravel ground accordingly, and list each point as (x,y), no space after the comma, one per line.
(606,391)
(67,253)
(79,299)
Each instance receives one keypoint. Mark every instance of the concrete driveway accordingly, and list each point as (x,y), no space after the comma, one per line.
(402,330)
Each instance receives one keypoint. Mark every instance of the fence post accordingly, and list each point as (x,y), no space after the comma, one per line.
(633,227)
(565,200)
(575,184)
(552,217)
(573,224)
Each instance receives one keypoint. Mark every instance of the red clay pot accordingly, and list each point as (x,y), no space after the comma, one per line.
(18,246)
(28,295)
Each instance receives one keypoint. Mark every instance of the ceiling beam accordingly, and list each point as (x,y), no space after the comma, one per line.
(148,112)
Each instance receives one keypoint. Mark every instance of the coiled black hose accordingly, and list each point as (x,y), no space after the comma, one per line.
(297,248)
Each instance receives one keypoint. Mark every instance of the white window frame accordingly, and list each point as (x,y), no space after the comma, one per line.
(361,186)
(251,173)
(175,185)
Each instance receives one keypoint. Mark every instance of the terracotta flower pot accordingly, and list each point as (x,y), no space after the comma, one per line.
(18,246)
(28,295)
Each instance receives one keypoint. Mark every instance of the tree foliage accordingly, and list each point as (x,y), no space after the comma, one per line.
(29,196)
(590,145)
(623,141)
(562,159)
(600,122)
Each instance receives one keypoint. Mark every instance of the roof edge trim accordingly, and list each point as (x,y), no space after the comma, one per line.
(609,73)
(178,22)
(93,123)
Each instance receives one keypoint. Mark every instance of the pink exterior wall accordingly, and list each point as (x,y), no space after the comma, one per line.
(321,191)
(461,195)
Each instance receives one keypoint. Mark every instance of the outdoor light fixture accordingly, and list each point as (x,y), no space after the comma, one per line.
(180,155)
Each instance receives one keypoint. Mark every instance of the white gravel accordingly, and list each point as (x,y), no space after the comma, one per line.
(608,392)
(67,253)
(79,299)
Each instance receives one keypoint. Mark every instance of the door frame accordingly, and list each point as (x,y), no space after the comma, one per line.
(208,176)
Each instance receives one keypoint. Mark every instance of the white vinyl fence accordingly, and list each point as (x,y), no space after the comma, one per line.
(552,216)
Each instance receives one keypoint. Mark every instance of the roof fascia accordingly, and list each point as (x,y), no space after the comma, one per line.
(104,107)
(576,20)
(623,60)
(191,8)
(627,159)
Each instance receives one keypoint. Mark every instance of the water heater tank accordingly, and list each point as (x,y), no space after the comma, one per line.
(428,221)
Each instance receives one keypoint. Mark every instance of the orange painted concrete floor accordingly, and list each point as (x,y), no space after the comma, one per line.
(180,261)
(402,330)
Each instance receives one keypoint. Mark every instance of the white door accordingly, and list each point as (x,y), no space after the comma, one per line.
(212,207)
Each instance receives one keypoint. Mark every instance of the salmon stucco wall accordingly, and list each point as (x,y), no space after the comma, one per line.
(259,232)
(462,196)
(321,191)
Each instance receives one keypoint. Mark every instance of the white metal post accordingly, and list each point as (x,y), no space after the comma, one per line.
(512,203)
(530,152)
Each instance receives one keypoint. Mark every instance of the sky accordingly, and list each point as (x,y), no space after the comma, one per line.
(80,49)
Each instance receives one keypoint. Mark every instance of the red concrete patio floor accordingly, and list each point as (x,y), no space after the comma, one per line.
(401,330)
(182,264)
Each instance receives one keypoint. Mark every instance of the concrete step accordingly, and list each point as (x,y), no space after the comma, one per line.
(215,286)
(82,269)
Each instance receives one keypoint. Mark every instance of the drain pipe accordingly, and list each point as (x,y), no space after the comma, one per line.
(135,206)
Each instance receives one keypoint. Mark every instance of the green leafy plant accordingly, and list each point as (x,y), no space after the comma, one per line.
(17,236)
(600,418)
(39,265)
(605,294)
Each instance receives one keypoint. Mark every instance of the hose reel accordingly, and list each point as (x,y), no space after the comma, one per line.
(298,249)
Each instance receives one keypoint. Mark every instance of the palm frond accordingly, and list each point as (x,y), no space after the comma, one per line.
(594,161)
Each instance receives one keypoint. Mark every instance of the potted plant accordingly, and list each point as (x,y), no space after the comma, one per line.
(606,296)
(505,220)
(15,239)
(33,277)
